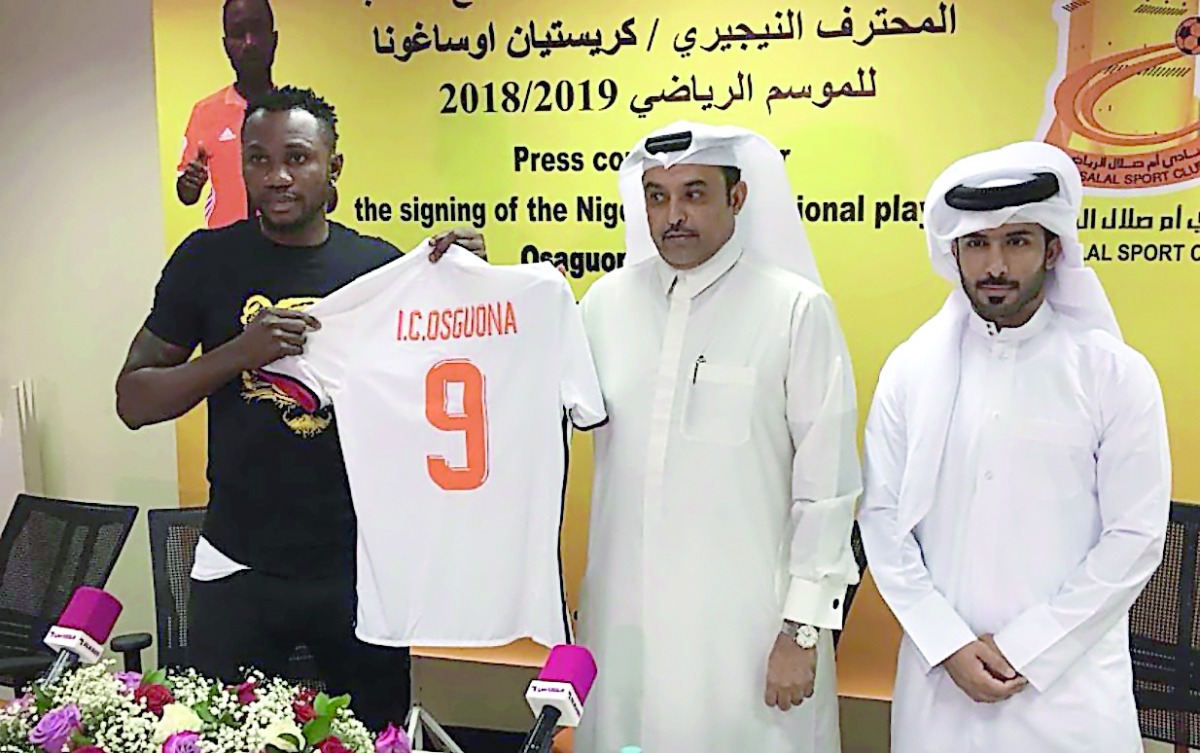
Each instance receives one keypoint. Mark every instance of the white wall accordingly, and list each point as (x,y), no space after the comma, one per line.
(80,249)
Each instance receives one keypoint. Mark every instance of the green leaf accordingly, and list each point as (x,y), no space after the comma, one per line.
(321,705)
(204,712)
(318,729)
(341,702)
(42,700)
(155,678)
(81,740)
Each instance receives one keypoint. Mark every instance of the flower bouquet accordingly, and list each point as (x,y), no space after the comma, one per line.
(94,710)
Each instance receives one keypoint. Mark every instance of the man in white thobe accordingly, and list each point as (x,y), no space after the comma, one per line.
(726,478)
(1018,478)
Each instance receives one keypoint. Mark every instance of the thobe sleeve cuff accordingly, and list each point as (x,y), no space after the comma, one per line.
(816,603)
(936,629)
(1026,641)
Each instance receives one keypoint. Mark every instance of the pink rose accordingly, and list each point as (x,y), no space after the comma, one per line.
(303,706)
(393,740)
(333,745)
(246,693)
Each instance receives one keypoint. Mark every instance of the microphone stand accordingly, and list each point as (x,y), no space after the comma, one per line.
(64,661)
(419,720)
(542,733)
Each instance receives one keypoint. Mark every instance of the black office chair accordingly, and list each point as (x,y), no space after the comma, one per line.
(860,556)
(49,548)
(1164,626)
(173,536)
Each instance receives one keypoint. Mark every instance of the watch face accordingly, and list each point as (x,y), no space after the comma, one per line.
(806,636)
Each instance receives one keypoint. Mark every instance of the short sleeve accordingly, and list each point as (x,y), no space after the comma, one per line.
(191,141)
(314,377)
(176,316)
(580,386)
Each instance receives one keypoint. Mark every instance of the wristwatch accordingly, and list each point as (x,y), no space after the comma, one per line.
(805,636)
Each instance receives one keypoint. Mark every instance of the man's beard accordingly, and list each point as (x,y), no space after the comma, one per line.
(1030,289)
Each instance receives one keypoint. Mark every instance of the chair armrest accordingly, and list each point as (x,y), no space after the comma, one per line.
(25,669)
(130,647)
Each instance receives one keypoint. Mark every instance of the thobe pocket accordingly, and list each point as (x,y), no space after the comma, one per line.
(1053,459)
(720,403)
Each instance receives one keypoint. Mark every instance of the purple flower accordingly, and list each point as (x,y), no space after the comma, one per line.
(182,742)
(54,730)
(131,680)
(393,740)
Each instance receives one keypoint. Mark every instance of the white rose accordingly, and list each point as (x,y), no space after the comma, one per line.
(176,718)
(277,733)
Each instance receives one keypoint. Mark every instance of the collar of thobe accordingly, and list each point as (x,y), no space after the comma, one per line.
(1035,326)
(933,394)
(698,279)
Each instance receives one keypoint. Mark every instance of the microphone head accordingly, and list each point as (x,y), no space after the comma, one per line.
(91,611)
(571,664)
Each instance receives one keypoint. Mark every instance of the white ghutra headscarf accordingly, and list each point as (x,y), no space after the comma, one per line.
(1024,182)
(1071,288)
(768,228)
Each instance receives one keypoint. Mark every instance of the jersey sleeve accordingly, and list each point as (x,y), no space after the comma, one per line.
(579,388)
(314,377)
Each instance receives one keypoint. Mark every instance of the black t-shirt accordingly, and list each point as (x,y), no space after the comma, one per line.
(280,499)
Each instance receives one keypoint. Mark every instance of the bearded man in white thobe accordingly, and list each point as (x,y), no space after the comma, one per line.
(1018,478)
(726,478)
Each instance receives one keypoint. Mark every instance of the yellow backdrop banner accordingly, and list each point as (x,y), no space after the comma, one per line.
(512,117)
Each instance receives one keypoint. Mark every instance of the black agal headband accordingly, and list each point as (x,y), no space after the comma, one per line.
(671,142)
(1040,187)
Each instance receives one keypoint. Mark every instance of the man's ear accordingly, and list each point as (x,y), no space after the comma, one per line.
(335,168)
(1053,253)
(737,196)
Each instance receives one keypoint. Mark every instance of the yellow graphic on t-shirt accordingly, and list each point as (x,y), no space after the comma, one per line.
(255,388)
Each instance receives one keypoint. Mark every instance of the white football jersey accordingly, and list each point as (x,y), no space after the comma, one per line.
(453,384)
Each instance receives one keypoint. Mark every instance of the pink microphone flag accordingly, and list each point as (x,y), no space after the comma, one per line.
(92,611)
(571,664)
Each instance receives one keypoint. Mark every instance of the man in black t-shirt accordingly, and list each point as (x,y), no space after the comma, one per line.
(275,565)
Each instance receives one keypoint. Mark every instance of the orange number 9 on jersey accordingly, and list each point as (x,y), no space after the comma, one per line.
(472,422)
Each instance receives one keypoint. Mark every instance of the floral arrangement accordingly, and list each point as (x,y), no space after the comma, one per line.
(94,710)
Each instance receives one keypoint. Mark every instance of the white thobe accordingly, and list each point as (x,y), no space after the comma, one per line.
(725,485)
(1049,517)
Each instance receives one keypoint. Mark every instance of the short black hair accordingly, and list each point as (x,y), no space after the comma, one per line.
(287,98)
(267,3)
(732,176)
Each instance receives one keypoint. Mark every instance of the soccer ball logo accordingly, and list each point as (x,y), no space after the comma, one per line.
(1187,36)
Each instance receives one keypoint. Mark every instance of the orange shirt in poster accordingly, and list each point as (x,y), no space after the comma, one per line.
(216,122)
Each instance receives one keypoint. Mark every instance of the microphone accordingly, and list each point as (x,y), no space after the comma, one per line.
(557,696)
(82,630)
